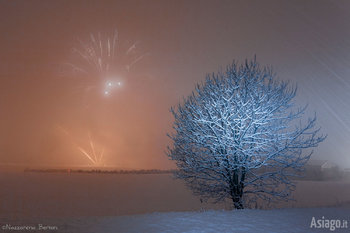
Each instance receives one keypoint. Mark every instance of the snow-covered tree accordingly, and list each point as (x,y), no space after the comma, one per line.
(239,136)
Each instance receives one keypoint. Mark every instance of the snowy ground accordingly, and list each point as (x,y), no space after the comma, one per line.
(278,220)
(283,220)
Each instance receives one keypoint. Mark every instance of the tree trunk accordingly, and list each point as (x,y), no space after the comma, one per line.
(237,187)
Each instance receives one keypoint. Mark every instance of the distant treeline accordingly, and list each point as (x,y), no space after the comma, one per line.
(141,171)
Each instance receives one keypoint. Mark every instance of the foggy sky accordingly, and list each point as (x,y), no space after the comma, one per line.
(307,42)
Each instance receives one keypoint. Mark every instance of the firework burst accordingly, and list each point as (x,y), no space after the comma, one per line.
(104,59)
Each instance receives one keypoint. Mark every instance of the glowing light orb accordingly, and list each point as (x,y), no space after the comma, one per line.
(110,85)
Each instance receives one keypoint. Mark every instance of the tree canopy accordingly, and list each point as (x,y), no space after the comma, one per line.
(239,135)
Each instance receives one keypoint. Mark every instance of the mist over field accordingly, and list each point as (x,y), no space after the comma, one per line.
(28,195)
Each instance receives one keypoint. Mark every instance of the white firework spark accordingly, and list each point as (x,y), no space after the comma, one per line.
(96,157)
(93,154)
